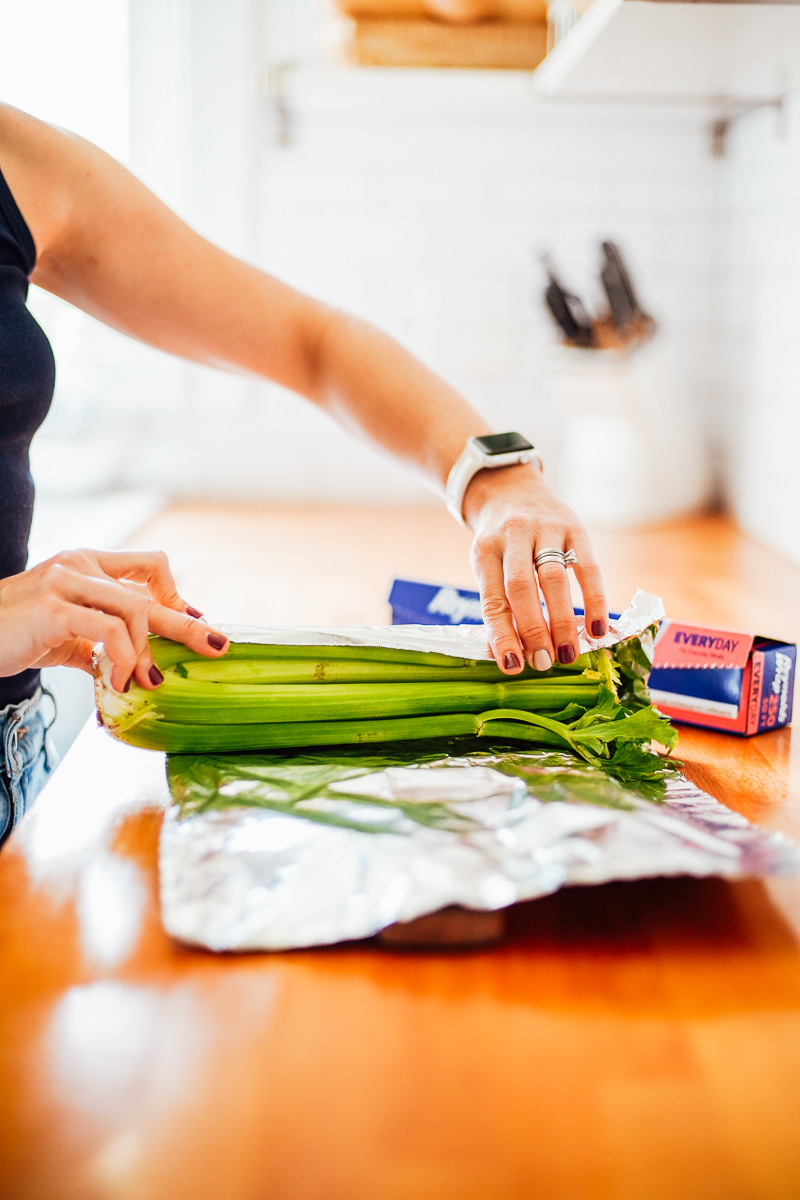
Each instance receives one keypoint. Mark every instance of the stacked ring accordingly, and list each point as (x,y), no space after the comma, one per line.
(567,558)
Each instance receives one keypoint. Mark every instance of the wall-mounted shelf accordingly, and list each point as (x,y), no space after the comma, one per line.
(712,53)
(722,59)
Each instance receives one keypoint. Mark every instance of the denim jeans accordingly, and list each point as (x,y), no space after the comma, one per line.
(27,756)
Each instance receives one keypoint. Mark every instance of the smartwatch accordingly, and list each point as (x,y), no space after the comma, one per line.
(490,451)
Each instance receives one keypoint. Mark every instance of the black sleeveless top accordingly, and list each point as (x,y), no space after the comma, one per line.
(27,378)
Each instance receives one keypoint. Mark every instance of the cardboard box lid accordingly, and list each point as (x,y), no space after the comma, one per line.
(679,646)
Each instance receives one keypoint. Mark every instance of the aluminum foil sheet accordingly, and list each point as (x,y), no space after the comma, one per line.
(460,641)
(272,852)
(266,852)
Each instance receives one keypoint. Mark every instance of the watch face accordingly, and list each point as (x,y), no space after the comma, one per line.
(503,443)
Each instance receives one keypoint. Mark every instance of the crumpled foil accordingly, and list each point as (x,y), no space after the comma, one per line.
(269,853)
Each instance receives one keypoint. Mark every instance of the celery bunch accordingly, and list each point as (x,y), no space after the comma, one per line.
(272,697)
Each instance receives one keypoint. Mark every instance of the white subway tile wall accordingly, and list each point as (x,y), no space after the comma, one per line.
(426,213)
(756,401)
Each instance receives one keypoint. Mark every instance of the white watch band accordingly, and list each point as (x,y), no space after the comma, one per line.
(471,460)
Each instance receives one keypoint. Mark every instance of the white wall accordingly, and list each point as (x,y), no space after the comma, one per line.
(422,201)
(68,63)
(758,400)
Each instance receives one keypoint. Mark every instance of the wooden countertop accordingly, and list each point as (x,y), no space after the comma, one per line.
(627,1041)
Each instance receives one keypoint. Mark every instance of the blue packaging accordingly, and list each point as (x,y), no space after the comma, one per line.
(430,604)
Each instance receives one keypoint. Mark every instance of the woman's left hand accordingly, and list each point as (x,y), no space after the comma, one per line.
(514,516)
(52,614)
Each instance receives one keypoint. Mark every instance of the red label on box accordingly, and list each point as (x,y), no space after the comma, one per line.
(679,645)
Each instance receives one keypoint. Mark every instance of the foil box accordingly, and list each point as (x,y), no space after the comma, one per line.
(721,679)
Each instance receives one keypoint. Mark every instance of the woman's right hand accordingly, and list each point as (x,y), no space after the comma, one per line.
(54,614)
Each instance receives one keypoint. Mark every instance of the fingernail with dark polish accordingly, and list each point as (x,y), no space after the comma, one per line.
(193,612)
(127,687)
(511,662)
(566,653)
(598,628)
(155,676)
(216,641)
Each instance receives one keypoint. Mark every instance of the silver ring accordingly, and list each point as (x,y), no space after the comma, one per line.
(567,558)
(548,554)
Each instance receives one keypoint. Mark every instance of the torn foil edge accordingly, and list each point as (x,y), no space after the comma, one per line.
(459,641)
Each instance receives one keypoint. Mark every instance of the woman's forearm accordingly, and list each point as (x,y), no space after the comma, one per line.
(119,253)
(374,387)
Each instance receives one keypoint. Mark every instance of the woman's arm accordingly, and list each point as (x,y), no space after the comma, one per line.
(108,245)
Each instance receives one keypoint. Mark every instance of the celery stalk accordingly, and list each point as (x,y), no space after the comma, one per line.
(270,697)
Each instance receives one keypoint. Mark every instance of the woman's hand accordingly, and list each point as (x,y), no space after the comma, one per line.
(515,516)
(54,614)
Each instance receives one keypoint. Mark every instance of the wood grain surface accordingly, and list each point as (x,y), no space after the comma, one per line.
(627,1041)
